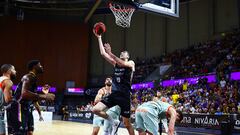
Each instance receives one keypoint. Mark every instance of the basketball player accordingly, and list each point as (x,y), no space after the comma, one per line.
(98,121)
(162,122)
(121,86)
(148,115)
(21,123)
(8,73)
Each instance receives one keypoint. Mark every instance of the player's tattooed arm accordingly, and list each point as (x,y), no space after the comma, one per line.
(173,116)
(7,86)
(102,50)
(98,96)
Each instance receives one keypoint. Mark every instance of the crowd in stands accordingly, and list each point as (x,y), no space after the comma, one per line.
(198,59)
(218,98)
(230,63)
(144,67)
(204,57)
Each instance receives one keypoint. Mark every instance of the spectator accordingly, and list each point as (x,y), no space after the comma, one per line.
(65,113)
(223,83)
(185,85)
(175,97)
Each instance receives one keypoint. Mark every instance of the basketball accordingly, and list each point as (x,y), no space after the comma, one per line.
(99,28)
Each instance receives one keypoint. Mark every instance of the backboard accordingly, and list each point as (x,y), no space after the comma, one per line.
(165,7)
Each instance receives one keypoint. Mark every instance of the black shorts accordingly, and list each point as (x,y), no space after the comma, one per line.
(27,122)
(121,99)
(20,120)
(13,119)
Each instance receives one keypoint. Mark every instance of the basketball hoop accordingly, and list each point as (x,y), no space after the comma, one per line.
(122,13)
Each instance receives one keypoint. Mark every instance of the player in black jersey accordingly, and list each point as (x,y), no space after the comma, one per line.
(20,117)
(121,86)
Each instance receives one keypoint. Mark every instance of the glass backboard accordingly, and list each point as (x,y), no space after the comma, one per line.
(166,7)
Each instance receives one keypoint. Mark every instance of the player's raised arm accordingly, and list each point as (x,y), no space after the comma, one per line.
(118,60)
(98,97)
(102,50)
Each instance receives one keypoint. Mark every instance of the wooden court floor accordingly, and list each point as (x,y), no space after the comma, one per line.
(67,128)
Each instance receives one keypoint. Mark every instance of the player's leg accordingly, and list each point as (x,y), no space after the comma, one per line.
(30,133)
(99,108)
(124,102)
(125,112)
(107,127)
(95,130)
(13,119)
(113,112)
(107,102)
(139,123)
(30,123)
(2,123)
(23,129)
(97,123)
(128,125)
(150,122)
(140,132)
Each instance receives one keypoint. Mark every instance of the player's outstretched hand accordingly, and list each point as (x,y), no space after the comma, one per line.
(41,118)
(45,89)
(94,32)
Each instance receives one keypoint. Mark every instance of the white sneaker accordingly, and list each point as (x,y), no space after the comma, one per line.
(116,124)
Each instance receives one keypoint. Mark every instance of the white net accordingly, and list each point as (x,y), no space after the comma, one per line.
(122,13)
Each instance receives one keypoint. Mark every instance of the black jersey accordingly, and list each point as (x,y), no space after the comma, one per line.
(24,102)
(122,79)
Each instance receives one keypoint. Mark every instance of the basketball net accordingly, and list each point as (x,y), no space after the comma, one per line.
(122,13)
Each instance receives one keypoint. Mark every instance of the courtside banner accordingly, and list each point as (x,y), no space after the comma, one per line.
(189,120)
(236,122)
(203,121)
(83,115)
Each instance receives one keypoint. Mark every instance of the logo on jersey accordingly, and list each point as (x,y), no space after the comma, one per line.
(126,112)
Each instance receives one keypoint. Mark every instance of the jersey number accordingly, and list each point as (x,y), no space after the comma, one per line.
(118,79)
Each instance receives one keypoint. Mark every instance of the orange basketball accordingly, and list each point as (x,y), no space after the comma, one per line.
(99,28)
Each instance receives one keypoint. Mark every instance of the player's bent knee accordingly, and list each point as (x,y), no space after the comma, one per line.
(95,110)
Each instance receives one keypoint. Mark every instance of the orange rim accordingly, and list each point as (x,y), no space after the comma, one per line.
(126,9)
